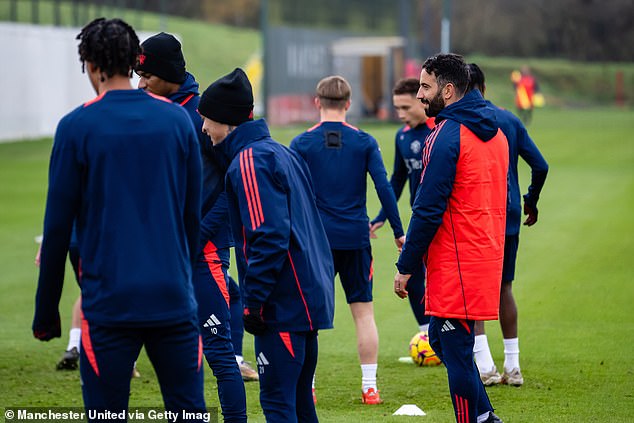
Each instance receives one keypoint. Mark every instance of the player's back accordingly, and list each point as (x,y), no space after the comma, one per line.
(136,154)
(338,156)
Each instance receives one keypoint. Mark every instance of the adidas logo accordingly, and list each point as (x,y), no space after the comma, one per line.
(211,323)
(261,360)
(447,327)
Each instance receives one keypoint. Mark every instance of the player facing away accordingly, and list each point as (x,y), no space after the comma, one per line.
(339,157)
(126,168)
(284,263)
(520,145)
(408,167)
(457,226)
(162,71)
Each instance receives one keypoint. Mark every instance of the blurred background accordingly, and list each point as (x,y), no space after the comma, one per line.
(579,51)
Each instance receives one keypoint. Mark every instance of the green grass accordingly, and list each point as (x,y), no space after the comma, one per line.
(574,292)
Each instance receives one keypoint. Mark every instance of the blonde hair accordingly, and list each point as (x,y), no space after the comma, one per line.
(333,92)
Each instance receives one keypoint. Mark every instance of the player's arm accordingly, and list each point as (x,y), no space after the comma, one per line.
(193,197)
(62,206)
(431,197)
(529,152)
(397,181)
(262,201)
(384,189)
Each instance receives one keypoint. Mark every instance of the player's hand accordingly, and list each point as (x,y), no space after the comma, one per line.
(531,212)
(253,321)
(399,243)
(400,284)
(374,227)
(38,255)
(47,329)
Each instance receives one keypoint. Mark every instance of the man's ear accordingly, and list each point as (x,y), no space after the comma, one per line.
(449,91)
(347,106)
(317,102)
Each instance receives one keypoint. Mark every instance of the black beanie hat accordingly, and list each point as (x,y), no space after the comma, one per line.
(228,100)
(161,55)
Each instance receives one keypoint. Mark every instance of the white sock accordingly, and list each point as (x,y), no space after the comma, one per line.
(482,354)
(424,328)
(313,381)
(368,378)
(239,359)
(511,354)
(74,339)
(482,417)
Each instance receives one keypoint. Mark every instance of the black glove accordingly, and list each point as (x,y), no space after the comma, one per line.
(45,330)
(253,321)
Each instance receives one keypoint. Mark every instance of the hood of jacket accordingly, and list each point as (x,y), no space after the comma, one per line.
(473,112)
(190,86)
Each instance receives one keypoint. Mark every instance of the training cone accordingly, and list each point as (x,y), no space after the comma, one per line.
(409,410)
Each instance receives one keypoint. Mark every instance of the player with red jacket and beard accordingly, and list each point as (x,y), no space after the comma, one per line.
(457,226)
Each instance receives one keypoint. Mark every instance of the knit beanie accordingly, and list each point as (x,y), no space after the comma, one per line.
(161,55)
(228,100)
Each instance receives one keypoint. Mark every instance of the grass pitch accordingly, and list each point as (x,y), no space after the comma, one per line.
(573,287)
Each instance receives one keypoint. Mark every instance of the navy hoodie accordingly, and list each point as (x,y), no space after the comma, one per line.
(126,167)
(214,226)
(284,261)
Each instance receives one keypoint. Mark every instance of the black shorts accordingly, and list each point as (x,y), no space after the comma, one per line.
(355,272)
(511,244)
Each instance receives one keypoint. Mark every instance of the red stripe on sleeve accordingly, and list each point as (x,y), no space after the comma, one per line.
(251,183)
(429,144)
(256,201)
(246,188)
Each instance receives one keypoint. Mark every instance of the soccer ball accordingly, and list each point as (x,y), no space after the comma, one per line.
(421,352)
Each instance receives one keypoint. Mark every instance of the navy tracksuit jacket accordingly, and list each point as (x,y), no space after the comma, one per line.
(284,260)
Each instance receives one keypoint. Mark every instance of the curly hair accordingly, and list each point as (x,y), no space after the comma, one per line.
(111,45)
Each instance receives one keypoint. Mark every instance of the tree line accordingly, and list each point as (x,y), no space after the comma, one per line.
(584,30)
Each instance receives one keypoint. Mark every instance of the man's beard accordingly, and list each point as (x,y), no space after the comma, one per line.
(435,105)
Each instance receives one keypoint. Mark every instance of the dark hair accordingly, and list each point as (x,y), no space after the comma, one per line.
(406,86)
(111,45)
(476,78)
(449,68)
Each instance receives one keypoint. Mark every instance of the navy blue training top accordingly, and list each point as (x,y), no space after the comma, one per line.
(339,157)
(520,145)
(126,167)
